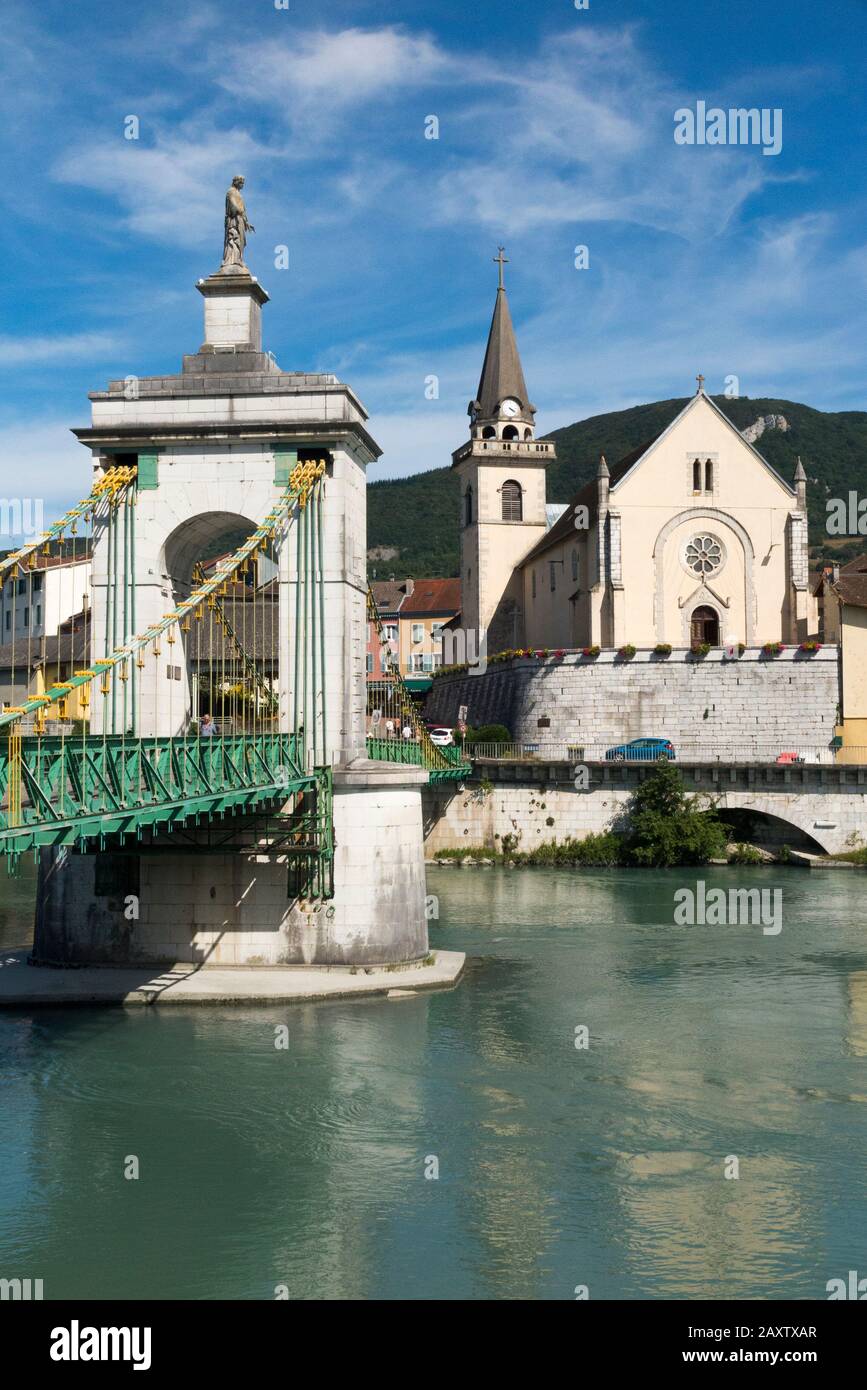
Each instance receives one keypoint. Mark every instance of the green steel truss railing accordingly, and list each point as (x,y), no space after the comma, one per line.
(452,765)
(76,790)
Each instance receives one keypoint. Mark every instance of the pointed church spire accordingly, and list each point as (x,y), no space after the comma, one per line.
(602,485)
(502,378)
(801,485)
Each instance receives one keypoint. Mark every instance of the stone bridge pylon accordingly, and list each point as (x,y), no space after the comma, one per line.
(273,651)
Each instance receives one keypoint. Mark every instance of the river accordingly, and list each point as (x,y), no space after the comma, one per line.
(558,1167)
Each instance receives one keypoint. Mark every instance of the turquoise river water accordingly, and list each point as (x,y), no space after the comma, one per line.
(558,1166)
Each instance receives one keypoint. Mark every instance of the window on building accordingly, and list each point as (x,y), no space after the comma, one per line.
(38,614)
(704,555)
(534,583)
(468,507)
(415,662)
(552,566)
(574,566)
(370,663)
(512,501)
(8,619)
(390,631)
(702,475)
(436,633)
(26,619)
(22,583)
(37,583)
(418,632)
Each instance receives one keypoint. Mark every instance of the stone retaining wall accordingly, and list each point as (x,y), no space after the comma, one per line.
(751,703)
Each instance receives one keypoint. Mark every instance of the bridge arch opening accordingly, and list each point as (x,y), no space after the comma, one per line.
(231,653)
(767,831)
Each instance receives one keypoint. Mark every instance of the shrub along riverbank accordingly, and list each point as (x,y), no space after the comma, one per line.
(662,827)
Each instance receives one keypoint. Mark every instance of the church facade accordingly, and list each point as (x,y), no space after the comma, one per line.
(693,537)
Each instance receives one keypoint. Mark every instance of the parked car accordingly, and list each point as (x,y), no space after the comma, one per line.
(443,738)
(642,750)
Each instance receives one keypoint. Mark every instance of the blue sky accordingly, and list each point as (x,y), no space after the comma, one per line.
(556,130)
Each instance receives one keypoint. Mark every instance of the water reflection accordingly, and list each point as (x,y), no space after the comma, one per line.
(305,1167)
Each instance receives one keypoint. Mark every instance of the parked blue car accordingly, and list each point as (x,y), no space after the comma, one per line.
(642,750)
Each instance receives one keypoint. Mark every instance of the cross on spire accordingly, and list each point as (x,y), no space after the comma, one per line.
(700,380)
(501,260)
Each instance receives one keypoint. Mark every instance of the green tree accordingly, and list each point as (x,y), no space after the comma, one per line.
(667,827)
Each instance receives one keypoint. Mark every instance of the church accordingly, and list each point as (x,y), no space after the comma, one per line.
(691,538)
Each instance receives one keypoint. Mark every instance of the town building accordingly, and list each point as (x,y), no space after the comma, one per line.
(413,615)
(426,612)
(843,601)
(37,599)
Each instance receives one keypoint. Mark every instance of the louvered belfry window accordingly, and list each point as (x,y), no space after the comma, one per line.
(512,500)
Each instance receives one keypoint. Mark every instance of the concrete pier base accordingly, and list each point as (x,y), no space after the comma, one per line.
(163,906)
(22,987)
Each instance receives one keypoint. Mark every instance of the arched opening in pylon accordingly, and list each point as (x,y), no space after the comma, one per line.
(228,669)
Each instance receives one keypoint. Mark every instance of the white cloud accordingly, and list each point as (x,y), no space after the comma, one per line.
(585,134)
(169,188)
(83,347)
(309,76)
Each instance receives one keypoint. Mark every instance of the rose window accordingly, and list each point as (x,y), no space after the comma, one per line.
(704,555)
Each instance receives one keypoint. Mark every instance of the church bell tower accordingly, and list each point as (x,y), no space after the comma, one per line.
(501,470)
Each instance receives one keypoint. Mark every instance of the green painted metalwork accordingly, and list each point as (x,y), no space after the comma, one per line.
(284,461)
(148,472)
(78,789)
(452,765)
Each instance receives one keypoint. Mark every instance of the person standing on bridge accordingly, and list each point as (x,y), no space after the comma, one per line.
(207,727)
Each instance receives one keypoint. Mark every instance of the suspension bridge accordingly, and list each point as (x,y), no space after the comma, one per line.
(75,768)
(200,711)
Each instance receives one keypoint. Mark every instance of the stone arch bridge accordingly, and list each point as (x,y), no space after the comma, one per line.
(824,805)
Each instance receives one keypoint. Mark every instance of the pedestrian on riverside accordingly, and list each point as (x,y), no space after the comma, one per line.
(389,728)
(407,732)
(207,727)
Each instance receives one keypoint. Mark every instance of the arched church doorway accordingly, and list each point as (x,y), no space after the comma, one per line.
(704,626)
